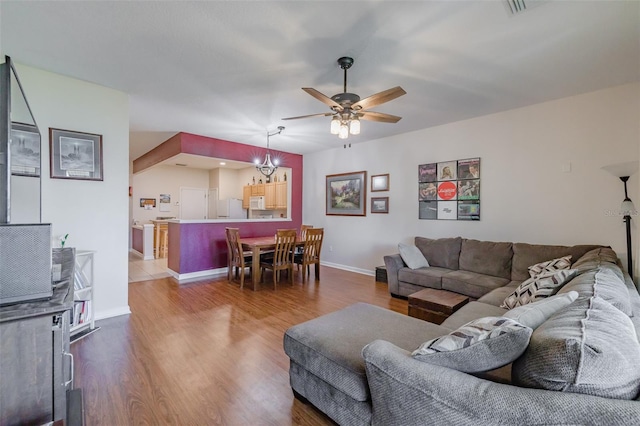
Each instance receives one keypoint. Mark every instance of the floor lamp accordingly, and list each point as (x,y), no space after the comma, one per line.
(628,209)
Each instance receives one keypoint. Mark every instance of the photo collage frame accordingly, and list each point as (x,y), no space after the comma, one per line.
(449,190)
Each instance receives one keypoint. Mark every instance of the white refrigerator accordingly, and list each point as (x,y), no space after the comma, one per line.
(231,208)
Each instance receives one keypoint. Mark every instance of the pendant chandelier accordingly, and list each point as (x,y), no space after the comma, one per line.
(267,167)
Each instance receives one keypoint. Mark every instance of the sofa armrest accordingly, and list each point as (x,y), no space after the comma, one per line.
(410,392)
(393,263)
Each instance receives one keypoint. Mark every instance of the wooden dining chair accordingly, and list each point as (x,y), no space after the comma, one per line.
(303,233)
(236,259)
(310,252)
(282,257)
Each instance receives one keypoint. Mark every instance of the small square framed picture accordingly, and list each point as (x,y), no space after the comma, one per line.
(380,183)
(75,155)
(379,204)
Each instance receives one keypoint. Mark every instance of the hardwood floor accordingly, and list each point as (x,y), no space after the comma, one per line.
(208,353)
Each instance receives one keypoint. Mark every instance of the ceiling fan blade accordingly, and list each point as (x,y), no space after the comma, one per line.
(322,98)
(378,116)
(310,115)
(379,98)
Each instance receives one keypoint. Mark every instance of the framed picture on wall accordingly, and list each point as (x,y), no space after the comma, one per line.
(346,194)
(147,202)
(380,183)
(379,204)
(25,150)
(75,155)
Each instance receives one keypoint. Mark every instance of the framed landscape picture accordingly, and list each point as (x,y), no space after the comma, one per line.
(379,204)
(346,194)
(75,155)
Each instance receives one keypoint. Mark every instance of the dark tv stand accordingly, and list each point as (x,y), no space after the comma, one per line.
(35,361)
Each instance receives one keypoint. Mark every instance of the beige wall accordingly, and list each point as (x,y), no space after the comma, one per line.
(92,213)
(230,185)
(525,194)
(152,182)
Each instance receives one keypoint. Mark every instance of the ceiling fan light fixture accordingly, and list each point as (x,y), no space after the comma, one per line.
(344,131)
(347,108)
(354,126)
(335,125)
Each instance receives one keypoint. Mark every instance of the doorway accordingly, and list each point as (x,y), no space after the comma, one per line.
(193,203)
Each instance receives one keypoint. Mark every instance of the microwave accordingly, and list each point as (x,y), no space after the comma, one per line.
(256,203)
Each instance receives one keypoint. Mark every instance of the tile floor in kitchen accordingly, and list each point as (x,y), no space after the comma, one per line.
(143,270)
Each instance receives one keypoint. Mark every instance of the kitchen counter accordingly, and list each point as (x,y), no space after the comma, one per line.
(198,248)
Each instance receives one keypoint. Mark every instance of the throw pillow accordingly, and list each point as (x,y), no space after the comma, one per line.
(480,345)
(542,286)
(534,314)
(550,266)
(412,256)
(589,347)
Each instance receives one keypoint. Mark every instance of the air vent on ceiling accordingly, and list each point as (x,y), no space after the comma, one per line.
(516,7)
(181,165)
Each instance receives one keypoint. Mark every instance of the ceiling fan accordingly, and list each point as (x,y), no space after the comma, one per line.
(347,108)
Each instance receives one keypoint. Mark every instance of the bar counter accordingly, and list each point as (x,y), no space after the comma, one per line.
(198,248)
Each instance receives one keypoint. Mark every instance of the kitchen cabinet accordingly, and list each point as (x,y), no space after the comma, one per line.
(275,195)
(270,196)
(280,195)
(257,189)
(246,194)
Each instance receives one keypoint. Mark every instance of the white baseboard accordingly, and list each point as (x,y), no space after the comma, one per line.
(137,253)
(124,310)
(199,275)
(349,268)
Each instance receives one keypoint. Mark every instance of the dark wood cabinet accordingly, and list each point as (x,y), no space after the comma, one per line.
(36,365)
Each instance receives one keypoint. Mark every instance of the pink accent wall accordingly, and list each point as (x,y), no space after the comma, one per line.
(137,239)
(197,247)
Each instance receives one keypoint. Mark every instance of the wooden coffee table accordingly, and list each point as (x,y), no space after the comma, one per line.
(435,305)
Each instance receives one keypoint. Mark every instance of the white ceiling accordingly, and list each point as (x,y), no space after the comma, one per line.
(233,69)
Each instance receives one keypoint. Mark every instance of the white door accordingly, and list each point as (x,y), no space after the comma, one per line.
(212,213)
(193,203)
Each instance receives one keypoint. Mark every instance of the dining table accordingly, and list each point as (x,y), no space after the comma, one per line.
(257,245)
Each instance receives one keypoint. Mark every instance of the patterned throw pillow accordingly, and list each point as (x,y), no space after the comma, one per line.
(535,313)
(480,345)
(550,266)
(544,285)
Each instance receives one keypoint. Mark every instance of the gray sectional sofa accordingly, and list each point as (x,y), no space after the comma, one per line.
(471,267)
(581,366)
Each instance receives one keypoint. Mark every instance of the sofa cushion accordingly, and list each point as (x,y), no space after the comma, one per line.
(443,252)
(486,257)
(534,314)
(525,255)
(550,266)
(480,345)
(542,286)
(330,346)
(471,311)
(602,256)
(426,277)
(470,283)
(588,347)
(412,256)
(496,297)
(602,282)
